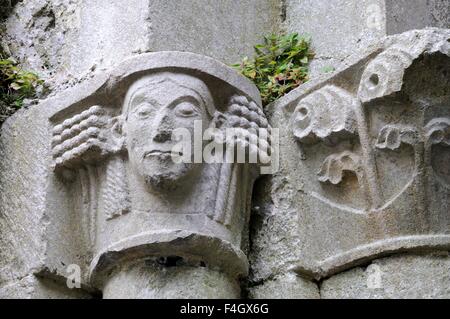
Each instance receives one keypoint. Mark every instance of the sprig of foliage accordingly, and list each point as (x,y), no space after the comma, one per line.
(16,85)
(279,65)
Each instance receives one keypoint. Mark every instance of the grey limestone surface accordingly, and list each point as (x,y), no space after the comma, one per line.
(425,276)
(358,209)
(147,280)
(66,41)
(342,28)
(285,286)
(325,210)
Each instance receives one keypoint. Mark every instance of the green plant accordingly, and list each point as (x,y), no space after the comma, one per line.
(279,65)
(328,69)
(15,86)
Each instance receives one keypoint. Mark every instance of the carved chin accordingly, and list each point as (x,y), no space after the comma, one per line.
(162,182)
(169,180)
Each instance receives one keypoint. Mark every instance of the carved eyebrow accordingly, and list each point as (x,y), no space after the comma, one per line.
(187,98)
(140,98)
(143,94)
(198,97)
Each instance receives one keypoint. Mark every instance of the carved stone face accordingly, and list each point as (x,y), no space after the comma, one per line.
(155,106)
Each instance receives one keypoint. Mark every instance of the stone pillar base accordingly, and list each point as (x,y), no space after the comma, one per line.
(150,279)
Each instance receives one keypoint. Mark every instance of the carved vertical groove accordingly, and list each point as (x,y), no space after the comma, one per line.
(115,194)
(226,172)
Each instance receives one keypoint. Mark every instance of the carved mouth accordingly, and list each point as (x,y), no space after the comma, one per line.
(162,153)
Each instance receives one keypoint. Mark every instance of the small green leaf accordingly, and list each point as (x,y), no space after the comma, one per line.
(328,69)
(15,86)
(278,66)
(18,103)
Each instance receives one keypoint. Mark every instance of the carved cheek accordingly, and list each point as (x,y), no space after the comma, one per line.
(131,139)
(137,134)
(132,143)
(187,123)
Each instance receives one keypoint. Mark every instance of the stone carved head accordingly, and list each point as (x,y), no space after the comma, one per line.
(118,145)
(154,107)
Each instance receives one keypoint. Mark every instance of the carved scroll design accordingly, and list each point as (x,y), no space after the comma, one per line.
(392,136)
(384,75)
(335,166)
(332,115)
(84,138)
(326,115)
(252,136)
(81,142)
(438,131)
(329,116)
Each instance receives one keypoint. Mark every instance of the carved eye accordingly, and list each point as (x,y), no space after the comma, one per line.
(143,111)
(185,109)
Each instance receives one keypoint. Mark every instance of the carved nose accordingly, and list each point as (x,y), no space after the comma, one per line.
(164,130)
(162,135)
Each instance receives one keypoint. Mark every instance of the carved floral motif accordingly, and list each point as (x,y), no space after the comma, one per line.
(332,116)
(315,120)
(392,136)
(336,165)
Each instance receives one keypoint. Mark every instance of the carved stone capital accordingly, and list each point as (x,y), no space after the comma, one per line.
(113,154)
(367,151)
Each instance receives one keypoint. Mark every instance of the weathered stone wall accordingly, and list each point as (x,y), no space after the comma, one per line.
(67,41)
(412,276)
(24,219)
(338,28)
(40,34)
(342,28)
(404,15)
(358,208)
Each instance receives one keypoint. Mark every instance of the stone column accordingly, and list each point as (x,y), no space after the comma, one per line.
(370,150)
(150,279)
